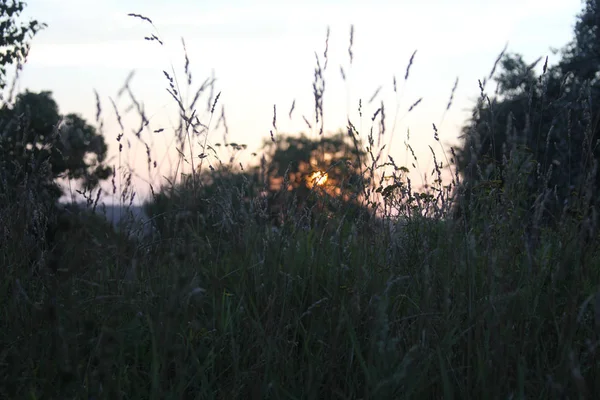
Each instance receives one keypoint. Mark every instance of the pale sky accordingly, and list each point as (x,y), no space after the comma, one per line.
(262,54)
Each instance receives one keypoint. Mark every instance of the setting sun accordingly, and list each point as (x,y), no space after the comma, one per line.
(318,178)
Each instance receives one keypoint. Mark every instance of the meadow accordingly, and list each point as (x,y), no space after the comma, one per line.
(452,292)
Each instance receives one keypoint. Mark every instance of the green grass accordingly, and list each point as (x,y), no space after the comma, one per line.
(484,307)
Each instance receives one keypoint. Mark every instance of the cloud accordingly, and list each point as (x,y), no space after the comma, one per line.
(113,54)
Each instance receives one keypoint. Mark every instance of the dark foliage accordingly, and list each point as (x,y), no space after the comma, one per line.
(541,130)
(14,41)
(38,144)
(284,190)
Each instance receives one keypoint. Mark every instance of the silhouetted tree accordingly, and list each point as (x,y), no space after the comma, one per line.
(14,41)
(297,174)
(581,57)
(328,167)
(38,144)
(546,125)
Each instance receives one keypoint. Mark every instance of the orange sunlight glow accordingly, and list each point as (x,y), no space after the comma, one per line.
(318,178)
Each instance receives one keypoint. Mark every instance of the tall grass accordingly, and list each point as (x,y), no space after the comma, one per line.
(413,302)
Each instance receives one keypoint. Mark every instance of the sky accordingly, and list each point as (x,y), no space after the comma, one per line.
(262,54)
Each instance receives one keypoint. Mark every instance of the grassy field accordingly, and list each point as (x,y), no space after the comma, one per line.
(415,302)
